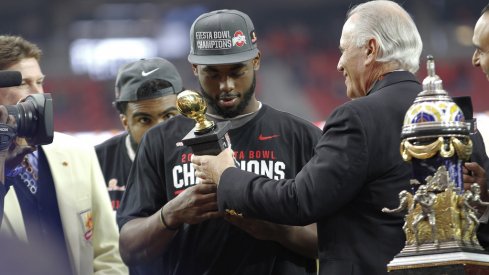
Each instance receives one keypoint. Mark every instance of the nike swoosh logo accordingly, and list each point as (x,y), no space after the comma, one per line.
(262,137)
(143,73)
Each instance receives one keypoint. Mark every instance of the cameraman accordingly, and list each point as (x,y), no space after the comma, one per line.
(56,195)
(14,252)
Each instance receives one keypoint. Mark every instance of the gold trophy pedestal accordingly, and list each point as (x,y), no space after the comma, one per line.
(450,246)
(211,143)
(207,137)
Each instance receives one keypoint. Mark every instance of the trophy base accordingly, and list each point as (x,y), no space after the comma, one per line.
(443,247)
(449,258)
(209,143)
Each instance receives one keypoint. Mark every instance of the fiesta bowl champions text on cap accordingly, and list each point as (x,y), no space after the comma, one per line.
(132,75)
(222,37)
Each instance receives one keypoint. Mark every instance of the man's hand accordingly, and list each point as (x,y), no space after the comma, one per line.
(9,121)
(474,173)
(194,205)
(15,151)
(210,168)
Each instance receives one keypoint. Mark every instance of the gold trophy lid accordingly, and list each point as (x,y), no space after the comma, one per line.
(433,112)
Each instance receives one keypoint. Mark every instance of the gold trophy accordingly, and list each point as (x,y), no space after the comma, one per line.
(441,218)
(207,137)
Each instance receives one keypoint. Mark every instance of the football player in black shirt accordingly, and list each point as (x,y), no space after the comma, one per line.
(167,218)
(145,95)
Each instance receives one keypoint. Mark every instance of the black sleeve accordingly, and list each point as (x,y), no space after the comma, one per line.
(333,176)
(479,155)
(144,193)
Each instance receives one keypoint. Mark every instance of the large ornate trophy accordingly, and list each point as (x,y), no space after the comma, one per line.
(442,219)
(207,137)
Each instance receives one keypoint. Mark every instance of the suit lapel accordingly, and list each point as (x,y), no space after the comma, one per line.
(67,194)
(13,221)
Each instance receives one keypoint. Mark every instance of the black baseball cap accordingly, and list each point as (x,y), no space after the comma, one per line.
(222,37)
(132,75)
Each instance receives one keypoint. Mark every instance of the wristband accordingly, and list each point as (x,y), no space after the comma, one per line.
(162,219)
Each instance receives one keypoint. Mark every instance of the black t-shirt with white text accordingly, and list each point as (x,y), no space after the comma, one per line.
(115,164)
(273,143)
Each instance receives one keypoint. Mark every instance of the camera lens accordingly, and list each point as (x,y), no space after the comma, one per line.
(34,118)
(25,117)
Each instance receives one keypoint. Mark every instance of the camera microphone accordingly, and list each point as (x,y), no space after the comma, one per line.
(10,79)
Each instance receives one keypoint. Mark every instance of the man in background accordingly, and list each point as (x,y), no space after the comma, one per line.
(145,95)
(475,171)
(480,40)
(55,197)
(480,59)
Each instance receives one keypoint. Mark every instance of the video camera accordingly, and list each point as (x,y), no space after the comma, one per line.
(33,116)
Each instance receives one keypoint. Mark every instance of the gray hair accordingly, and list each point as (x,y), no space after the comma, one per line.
(393,29)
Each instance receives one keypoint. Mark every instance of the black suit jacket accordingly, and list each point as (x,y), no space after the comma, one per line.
(356,171)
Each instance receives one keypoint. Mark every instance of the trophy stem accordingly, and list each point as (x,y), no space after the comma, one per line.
(203,125)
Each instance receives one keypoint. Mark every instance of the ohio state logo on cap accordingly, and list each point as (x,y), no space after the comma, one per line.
(239,39)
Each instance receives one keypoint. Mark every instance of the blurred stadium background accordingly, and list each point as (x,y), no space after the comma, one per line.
(85,41)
